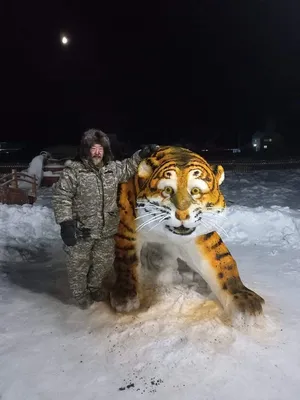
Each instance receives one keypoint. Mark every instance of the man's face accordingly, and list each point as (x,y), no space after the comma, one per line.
(97,152)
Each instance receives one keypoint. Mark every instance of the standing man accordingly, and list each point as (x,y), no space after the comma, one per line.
(85,206)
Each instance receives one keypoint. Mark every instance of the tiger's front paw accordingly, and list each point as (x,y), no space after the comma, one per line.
(248,302)
(245,310)
(242,304)
(125,304)
(240,299)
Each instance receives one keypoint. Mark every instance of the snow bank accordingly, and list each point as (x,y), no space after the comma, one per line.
(24,228)
(262,226)
(33,226)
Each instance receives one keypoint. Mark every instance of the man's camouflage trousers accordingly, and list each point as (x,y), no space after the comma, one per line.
(90,265)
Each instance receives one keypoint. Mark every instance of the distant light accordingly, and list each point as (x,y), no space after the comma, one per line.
(65,40)
(254,144)
(265,146)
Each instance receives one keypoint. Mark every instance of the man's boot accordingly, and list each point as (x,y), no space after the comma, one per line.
(85,302)
(100,295)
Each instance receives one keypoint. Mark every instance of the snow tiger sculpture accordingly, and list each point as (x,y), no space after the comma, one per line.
(170,201)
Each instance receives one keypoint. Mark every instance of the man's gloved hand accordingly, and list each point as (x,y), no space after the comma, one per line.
(85,232)
(68,232)
(148,150)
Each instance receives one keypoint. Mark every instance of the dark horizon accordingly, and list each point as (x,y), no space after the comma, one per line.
(164,72)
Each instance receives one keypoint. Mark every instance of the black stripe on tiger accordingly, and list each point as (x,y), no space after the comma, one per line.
(223,255)
(128,228)
(208,235)
(122,247)
(125,237)
(218,244)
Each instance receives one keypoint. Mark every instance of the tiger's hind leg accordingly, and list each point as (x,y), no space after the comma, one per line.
(125,296)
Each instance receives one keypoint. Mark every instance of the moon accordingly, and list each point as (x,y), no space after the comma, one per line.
(65,40)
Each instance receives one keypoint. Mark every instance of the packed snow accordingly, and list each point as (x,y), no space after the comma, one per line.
(35,169)
(178,345)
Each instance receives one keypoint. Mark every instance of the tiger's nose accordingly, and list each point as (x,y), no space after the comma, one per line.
(182,215)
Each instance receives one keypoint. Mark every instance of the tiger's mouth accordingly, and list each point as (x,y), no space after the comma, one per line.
(180,230)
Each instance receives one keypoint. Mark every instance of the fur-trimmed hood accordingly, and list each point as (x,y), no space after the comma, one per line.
(89,139)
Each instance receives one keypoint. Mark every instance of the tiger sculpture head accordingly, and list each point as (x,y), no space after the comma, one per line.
(171,203)
(178,194)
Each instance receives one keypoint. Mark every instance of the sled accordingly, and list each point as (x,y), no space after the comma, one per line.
(11,193)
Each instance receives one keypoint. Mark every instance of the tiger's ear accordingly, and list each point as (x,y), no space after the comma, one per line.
(144,170)
(218,170)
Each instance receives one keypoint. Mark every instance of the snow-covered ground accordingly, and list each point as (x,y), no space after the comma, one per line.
(178,348)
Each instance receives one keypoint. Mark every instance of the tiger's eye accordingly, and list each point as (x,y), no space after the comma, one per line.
(195,191)
(168,190)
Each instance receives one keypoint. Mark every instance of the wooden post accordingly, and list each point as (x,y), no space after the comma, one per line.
(34,186)
(14,183)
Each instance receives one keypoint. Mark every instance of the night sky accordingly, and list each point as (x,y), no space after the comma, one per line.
(157,70)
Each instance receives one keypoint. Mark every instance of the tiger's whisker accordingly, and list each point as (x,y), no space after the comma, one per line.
(149,205)
(206,225)
(213,227)
(146,215)
(213,212)
(214,217)
(153,219)
(159,222)
(213,224)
